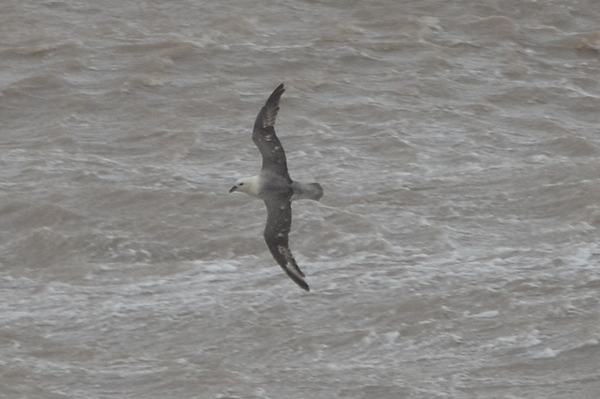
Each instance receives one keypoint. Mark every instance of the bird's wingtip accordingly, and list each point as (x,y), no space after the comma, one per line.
(296,278)
(304,286)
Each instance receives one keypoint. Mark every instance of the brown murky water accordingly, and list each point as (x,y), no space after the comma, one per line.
(455,253)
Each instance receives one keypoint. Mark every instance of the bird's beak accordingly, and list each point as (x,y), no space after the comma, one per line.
(233,189)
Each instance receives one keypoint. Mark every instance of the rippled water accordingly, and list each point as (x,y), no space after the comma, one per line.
(455,253)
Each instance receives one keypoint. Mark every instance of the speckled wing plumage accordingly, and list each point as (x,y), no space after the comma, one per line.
(279,222)
(265,138)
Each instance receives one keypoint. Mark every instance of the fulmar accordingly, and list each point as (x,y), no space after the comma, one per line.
(275,187)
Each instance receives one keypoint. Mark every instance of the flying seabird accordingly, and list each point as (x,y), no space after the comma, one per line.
(275,187)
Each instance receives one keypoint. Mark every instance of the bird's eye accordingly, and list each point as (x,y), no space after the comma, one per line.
(241,184)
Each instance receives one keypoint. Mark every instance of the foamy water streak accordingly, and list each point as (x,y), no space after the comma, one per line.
(455,253)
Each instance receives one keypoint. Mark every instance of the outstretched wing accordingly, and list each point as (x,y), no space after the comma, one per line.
(265,139)
(279,222)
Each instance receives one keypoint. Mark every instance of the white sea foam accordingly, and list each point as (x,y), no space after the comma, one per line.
(457,239)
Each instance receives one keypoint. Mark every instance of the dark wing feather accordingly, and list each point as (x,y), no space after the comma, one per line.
(265,138)
(279,222)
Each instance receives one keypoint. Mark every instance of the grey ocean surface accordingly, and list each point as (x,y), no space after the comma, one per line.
(455,253)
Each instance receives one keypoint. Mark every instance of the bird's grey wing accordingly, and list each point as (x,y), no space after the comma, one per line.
(279,222)
(265,138)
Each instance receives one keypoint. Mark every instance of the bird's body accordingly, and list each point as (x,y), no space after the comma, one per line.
(275,187)
(252,186)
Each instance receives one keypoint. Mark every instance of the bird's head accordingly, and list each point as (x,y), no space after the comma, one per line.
(247,185)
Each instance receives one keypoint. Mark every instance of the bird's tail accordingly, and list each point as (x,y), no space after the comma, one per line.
(312,191)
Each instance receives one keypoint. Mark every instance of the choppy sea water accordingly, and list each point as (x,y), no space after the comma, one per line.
(454,255)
